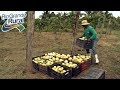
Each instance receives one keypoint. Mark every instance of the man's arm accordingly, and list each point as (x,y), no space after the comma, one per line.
(93,33)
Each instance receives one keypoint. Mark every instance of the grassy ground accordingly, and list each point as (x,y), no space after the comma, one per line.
(13,52)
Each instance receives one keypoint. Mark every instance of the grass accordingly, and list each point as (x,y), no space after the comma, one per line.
(13,52)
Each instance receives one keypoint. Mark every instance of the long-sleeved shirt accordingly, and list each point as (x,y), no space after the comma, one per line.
(90,33)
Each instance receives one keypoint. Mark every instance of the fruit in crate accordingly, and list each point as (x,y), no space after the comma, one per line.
(58,60)
(51,54)
(46,57)
(61,60)
(88,57)
(69,64)
(74,58)
(82,56)
(64,56)
(70,58)
(36,60)
(43,62)
(58,55)
(68,55)
(83,38)
(66,61)
(53,57)
(85,58)
(78,58)
(46,63)
(59,69)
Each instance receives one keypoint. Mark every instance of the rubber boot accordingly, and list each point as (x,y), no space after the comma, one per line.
(96,59)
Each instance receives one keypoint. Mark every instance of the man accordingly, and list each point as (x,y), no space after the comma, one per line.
(90,34)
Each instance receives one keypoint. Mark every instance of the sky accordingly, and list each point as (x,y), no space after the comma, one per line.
(38,13)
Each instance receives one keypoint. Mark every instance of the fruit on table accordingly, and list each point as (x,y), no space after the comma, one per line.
(59,69)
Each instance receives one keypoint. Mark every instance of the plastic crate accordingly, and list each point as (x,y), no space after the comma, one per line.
(80,43)
(83,66)
(76,71)
(90,62)
(42,68)
(88,44)
(35,65)
(94,73)
(56,75)
(84,43)
(39,67)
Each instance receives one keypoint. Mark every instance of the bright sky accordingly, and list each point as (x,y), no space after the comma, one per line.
(38,13)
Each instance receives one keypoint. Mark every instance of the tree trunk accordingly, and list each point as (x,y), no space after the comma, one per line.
(30,31)
(75,26)
(102,26)
(108,31)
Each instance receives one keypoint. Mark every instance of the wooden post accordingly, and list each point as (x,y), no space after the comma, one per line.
(29,37)
(75,25)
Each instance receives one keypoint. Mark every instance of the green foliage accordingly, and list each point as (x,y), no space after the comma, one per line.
(54,22)
(64,22)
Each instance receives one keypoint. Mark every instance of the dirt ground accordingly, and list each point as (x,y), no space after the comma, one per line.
(13,53)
